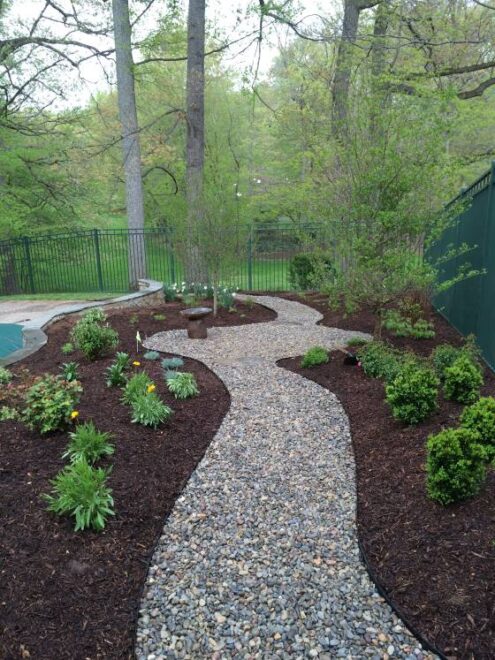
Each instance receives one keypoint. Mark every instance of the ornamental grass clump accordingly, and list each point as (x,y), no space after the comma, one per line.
(463,380)
(151,355)
(455,465)
(412,394)
(182,385)
(148,409)
(314,356)
(87,443)
(93,336)
(136,386)
(80,491)
(479,418)
(50,403)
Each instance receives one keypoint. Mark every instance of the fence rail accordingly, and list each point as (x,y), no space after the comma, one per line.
(470,305)
(98,259)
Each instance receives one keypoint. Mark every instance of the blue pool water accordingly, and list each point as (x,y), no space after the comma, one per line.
(11,338)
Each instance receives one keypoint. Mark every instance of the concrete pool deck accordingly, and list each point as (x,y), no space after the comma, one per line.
(21,311)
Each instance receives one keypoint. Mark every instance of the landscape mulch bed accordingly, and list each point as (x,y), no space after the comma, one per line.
(76,595)
(436,564)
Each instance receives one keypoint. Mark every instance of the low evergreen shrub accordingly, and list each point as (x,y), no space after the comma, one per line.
(412,394)
(463,380)
(480,419)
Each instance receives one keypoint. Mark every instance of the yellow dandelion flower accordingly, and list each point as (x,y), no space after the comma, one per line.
(74,414)
(136,363)
(151,388)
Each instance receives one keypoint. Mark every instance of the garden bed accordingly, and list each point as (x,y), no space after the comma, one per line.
(76,595)
(436,564)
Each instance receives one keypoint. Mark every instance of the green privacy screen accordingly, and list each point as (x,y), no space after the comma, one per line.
(470,304)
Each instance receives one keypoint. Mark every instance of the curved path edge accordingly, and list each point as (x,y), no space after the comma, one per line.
(260,556)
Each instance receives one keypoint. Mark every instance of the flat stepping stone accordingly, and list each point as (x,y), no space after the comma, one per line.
(259,558)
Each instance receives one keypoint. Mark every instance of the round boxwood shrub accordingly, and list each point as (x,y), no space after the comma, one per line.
(93,336)
(463,380)
(480,419)
(305,269)
(412,394)
(455,465)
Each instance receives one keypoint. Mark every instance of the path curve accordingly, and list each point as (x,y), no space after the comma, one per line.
(259,558)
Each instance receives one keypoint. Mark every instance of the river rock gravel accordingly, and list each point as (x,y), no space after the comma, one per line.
(259,558)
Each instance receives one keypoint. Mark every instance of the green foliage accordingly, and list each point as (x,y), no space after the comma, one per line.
(50,402)
(92,337)
(68,348)
(87,443)
(151,355)
(159,317)
(182,385)
(379,360)
(116,376)
(172,363)
(412,394)
(401,326)
(8,414)
(314,356)
(149,410)
(226,297)
(305,271)
(69,371)
(136,386)
(463,380)
(455,465)
(443,357)
(122,360)
(355,342)
(80,491)
(480,419)
(5,376)
(170,292)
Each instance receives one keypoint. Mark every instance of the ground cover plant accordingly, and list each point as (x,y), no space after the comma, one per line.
(314,356)
(69,594)
(434,561)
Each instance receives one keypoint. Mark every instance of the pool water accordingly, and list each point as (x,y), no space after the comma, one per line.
(11,338)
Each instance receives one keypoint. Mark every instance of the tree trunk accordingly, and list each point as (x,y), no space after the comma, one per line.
(195,149)
(130,141)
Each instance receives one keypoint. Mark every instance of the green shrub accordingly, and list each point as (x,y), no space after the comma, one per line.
(68,348)
(8,414)
(402,326)
(149,410)
(314,356)
(443,357)
(151,355)
(170,292)
(50,403)
(5,376)
(356,342)
(80,491)
(379,360)
(69,371)
(455,465)
(305,270)
(136,386)
(168,364)
(88,443)
(463,380)
(480,419)
(182,385)
(92,337)
(412,394)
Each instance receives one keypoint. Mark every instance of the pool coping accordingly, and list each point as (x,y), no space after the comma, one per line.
(33,330)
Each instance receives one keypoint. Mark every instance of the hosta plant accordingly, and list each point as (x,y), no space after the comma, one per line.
(136,386)
(182,385)
(149,410)
(88,443)
(314,356)
(455,465)
(412,394)
(50,403)
(80,491)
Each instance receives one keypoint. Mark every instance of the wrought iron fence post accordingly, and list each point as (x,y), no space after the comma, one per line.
(171,253)
(99,272)
(27,253)
(250,259)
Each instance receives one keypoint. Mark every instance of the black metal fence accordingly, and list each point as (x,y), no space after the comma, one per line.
(98,259)
(470,305)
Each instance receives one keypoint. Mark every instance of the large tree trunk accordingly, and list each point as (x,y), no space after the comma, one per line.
(195,150)
(130,141)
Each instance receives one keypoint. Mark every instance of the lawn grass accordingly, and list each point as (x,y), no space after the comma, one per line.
(85,295)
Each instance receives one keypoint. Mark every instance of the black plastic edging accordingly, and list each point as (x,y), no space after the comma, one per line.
(383,593)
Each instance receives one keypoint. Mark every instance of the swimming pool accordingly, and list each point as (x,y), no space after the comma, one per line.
(11,338)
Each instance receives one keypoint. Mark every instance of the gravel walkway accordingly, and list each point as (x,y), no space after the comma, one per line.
(259,558)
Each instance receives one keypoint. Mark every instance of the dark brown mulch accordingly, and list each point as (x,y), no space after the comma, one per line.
(436,564)
(67,595)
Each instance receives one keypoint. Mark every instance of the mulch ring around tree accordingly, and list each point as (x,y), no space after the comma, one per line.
(436,564)
(76,595)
